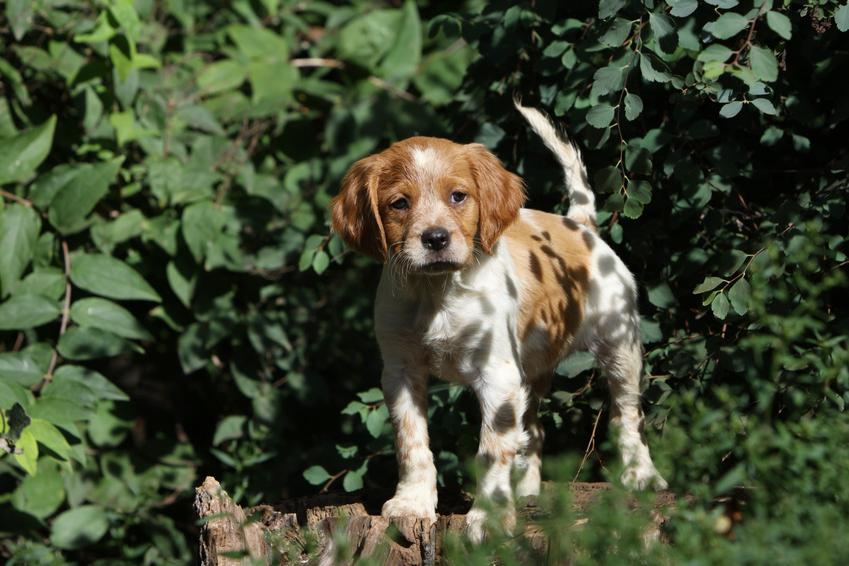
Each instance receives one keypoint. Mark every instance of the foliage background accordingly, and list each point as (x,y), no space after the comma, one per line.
(172,304)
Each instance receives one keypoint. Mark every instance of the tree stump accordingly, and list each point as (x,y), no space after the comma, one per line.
(290,532)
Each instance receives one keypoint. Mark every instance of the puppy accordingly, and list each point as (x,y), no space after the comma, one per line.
(480,291)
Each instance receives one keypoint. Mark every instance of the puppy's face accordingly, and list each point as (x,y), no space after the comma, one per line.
(426,203)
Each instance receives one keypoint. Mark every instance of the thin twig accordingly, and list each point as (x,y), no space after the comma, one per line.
(318,62)
(16,198)
(590,445)
(66,313)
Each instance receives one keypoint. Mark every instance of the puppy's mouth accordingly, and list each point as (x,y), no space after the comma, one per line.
(439,267)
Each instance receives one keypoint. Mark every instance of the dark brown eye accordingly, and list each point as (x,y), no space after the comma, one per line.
(400,204)
(457,197)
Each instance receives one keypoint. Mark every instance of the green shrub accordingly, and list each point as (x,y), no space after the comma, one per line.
(172,304)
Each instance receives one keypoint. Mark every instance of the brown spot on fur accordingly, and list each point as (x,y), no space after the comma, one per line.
(555,285)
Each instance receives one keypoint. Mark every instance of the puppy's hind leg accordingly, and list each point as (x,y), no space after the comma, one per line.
(622,361)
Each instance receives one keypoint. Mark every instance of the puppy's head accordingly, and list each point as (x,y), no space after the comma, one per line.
(427,202)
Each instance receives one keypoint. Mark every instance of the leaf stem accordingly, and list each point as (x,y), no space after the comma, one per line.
(66,313)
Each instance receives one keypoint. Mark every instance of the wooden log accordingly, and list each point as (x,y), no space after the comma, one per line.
(291,532)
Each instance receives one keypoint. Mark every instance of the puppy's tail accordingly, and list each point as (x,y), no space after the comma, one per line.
(581,198)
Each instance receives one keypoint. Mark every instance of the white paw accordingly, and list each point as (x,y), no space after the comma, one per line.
(477,522)
(476,525)
(640,477)
(419,504)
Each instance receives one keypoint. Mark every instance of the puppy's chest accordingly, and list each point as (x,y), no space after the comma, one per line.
(460,335)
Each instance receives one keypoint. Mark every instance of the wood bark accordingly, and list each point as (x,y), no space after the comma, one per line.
(291,532)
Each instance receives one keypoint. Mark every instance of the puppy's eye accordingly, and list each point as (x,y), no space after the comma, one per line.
(400,204)
(457,197)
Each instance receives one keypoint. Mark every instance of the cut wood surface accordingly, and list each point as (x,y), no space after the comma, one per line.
(290,532)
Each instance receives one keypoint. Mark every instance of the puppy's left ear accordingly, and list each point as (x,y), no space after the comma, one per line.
(354,211)
(500,194)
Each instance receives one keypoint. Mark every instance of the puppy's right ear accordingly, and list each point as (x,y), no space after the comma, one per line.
(354,211)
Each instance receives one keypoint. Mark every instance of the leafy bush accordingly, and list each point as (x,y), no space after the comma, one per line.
(172,305)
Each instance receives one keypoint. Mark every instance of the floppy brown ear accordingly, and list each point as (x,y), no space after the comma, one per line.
(354,213)
(500,194)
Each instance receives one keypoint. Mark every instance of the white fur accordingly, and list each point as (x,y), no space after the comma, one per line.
(581,197)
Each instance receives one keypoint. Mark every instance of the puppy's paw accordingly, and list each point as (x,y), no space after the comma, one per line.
(478,521)
(412,503)
(476,525)
(641,477)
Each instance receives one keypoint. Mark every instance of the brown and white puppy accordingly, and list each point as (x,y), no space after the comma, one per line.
(480,291)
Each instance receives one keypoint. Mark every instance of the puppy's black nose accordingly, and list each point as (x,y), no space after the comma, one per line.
(435,238)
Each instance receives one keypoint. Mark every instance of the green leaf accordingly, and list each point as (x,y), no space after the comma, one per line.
(182,281)
(771,136)
(105,427)
(19,368)
(404,55)
(661,296)
(640,191)
(73,201)
(765,106)
(600,115)
(106,235)
(607,8)
(27,311)
(353,480)
(272,81)
(49,436)
(715,52)
(221,76)
(709,284)
(660,24)
(376,419)
(11,393)
(719,306)
(615,34)
(46,282)
(106,315)
(779,23)
(608,79)
(61,412)
(259,43)
(79,527)
(110,277)
(21,154)
(230,428)
(576,364)
(764,64)
(19,227)
(81,385)
(633,106)
(320,261)
(316,475)
(841,17)
(42,494)
(739,295)
(85,343)
(633,208)
(26,452)
(731,109)
(727,25)
(19,14)
(367,38)
(650,72)
(682,8)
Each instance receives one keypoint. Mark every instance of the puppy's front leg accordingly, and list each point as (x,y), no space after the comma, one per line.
(503,402)
(405,392)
